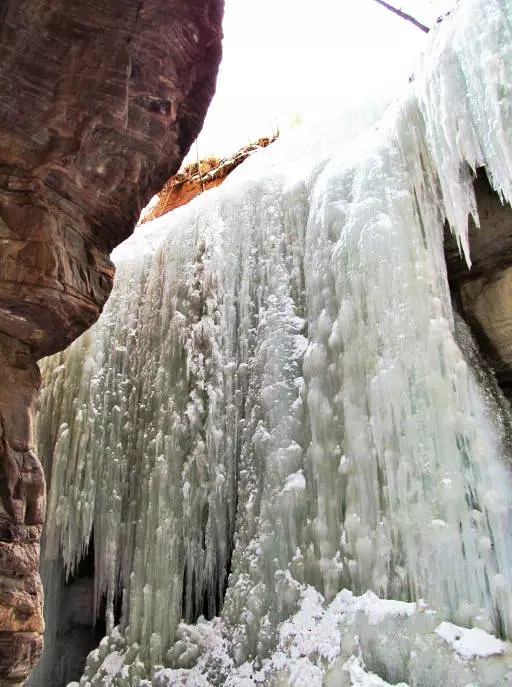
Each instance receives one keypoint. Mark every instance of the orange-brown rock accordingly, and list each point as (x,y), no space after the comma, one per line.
(20,604)
(199,177)
(99,103)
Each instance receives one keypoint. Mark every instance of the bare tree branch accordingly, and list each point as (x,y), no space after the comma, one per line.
(404,15)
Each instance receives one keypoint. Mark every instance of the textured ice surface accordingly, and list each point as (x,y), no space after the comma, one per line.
(274,392)
(351,642)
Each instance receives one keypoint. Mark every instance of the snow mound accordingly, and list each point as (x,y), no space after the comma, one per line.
(470,643)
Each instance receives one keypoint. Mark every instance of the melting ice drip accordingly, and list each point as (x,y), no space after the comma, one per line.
(274,391)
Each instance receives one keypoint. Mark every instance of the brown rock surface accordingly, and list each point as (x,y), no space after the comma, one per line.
(19,651)
(487,306)
(99,102)
(490,245)
(484,292)
(22,505)
(199,177)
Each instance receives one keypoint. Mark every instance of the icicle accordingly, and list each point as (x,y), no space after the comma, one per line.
(463,89)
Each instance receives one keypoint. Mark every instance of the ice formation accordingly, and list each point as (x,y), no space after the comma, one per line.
(273,410)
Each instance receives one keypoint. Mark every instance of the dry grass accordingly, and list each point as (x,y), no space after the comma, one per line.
(199,176)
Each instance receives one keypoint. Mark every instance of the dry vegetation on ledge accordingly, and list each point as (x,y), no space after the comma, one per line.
(198,177)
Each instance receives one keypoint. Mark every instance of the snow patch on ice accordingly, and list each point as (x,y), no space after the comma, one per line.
(378,610)
(295,482)
(360,678)
(113,662)
(470,643)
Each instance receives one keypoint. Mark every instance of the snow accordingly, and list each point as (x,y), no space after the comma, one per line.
(360,678)
(377,609)
(273,422)
(295,482)
(470,643)
(315,629)
(112,663)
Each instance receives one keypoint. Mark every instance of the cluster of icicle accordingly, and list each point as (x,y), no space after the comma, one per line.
(273,408)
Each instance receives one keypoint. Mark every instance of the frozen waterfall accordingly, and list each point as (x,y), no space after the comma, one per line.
(289,470)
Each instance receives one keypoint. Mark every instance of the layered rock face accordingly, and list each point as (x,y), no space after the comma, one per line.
(99,103)
(22,504)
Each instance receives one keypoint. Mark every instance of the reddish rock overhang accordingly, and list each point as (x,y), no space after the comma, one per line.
(99,103)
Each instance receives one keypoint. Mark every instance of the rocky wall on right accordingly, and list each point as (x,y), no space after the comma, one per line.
(483,293)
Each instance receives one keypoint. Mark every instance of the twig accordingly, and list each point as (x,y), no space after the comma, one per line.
(199,167)
(404,15)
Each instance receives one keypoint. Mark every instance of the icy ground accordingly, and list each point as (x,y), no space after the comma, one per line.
(326,644)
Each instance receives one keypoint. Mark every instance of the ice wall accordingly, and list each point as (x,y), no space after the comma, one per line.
(273,408)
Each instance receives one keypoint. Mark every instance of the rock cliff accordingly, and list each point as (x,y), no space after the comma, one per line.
(483,294)
(99,103)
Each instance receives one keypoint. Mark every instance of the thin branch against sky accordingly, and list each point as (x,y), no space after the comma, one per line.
(404,15)
(289,58)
